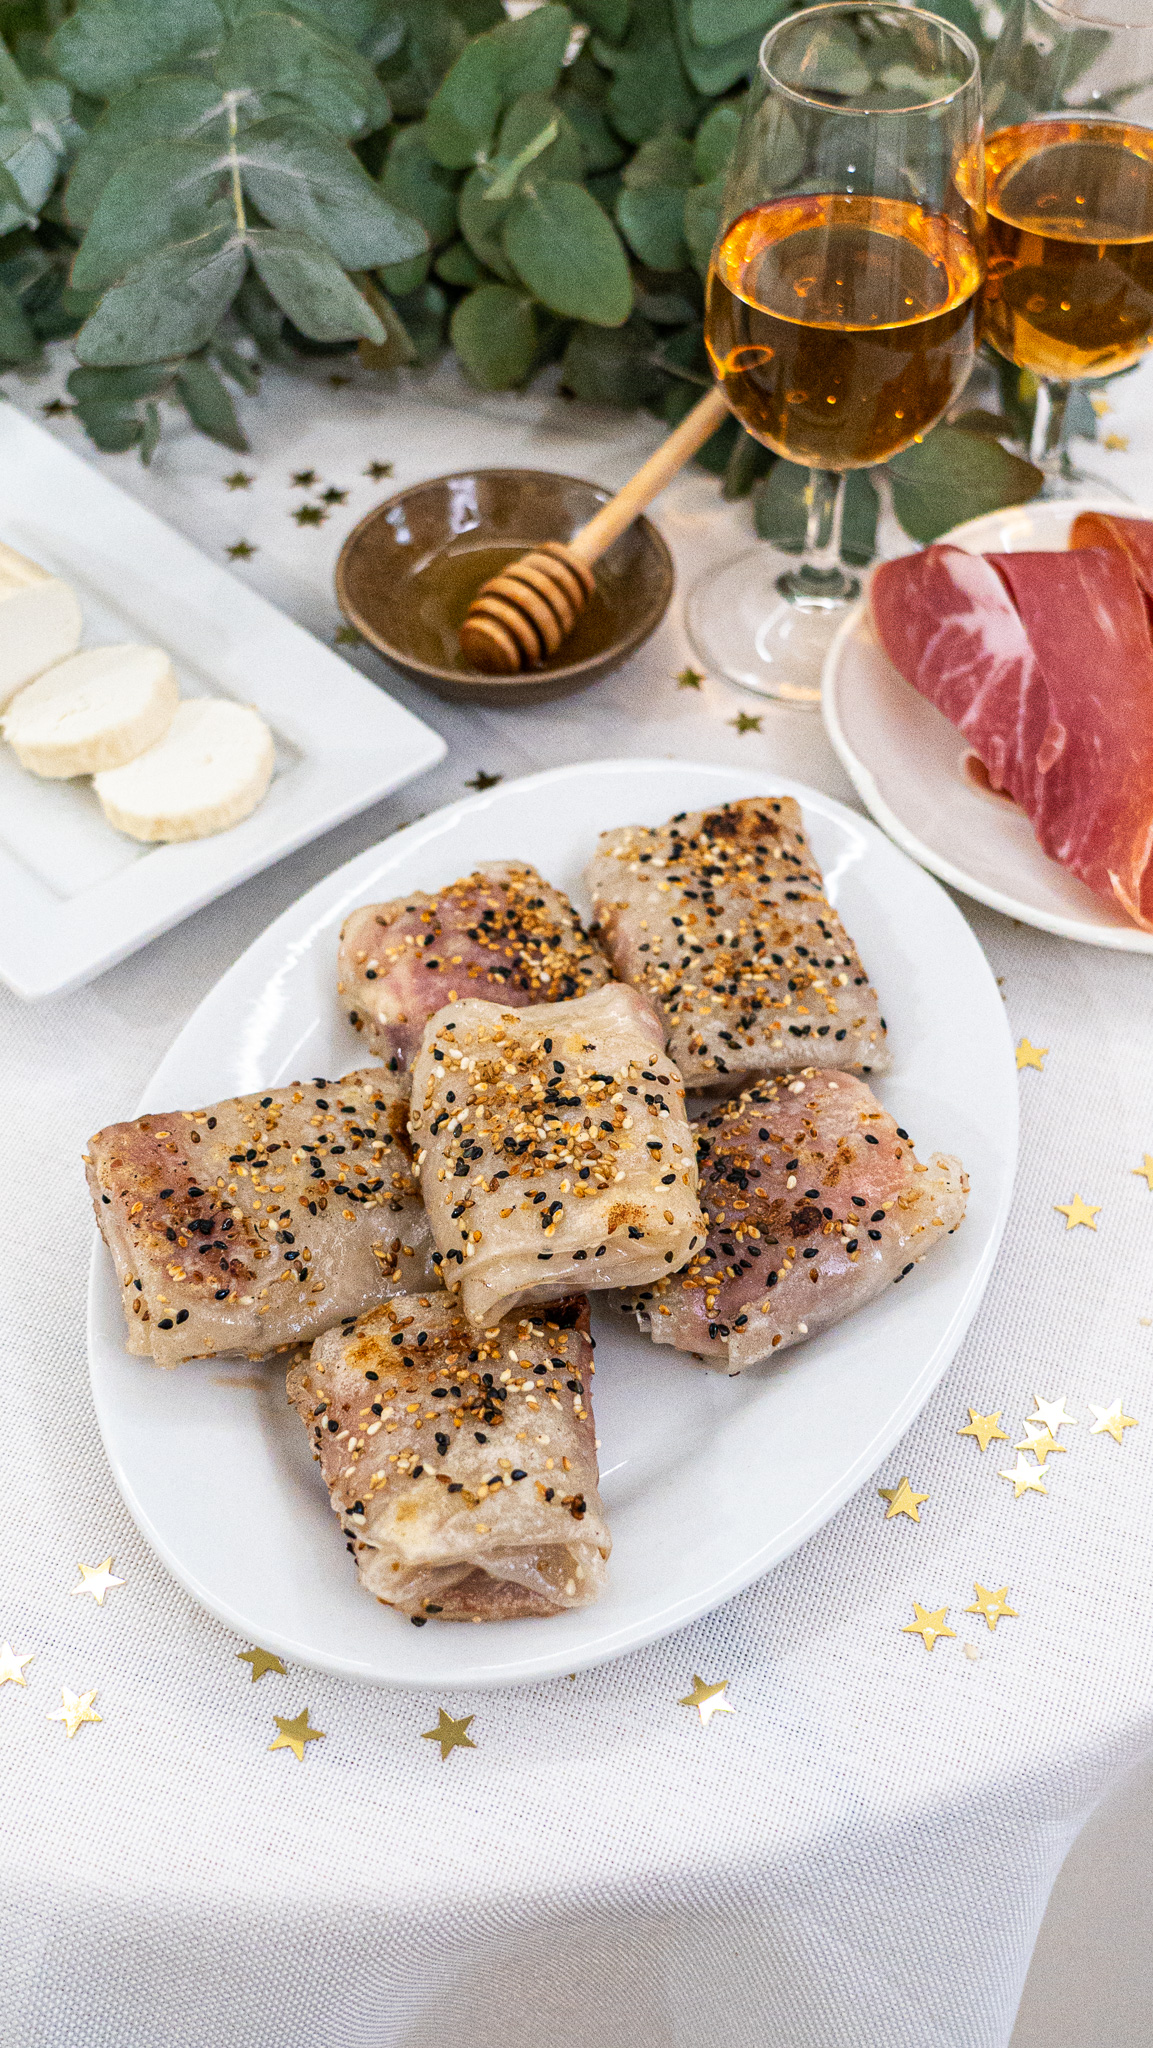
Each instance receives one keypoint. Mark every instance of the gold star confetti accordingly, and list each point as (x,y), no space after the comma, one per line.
(743,723)
(1077,1212)
(1042,1443)
(1052,1415)
(1100,404)
(334,497)
(1111,1420)
(450,1734)
(240,551)
(1118,441)
(985,1428)
(338,382)
(1145,1171)
(309,515)
(378,469)
(1031,1055)
(902,1501)
(294,1734)
(74,1709)
(707,1699)
(55,408)
(689,679)
(12,1666)
(929,1624)
(347,636)
(239,480)
(1025,1478)
(96,1579)
(304,477)
(482,780)
(992,1605)
(262,1661)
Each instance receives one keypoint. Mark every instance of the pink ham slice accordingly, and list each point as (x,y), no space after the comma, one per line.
(1045,663)
(1134,538)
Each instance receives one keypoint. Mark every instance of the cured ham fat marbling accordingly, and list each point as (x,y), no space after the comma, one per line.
(1045,663)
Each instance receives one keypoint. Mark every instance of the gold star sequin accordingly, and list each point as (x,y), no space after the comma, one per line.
(482,780)
(985,1428)
(1052,1415)
(12,1666)
(929,1623)
(239,480)
(1077,1212)
(1031,1055)
(378,469)
(1118,442)
(992,1605)
(902,1500)
(338,381)
(1111,1420)
(56,408)
(347,636)
(707,1699)
(262,1661)
(333,497)
(743,723)
(75,1708)
(295,1733)
(450,1734)
(240,551)
(1025,1478)
(689,679)
(304,477)
(96,1579)
(309,515)
(1041,1442)
(1145,1171)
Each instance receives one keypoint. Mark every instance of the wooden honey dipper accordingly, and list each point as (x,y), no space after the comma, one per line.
(519,618)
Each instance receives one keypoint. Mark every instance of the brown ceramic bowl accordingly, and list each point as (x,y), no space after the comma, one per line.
(407,573)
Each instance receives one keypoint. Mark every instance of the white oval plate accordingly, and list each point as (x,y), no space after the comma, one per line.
(708,1480)
(910,765)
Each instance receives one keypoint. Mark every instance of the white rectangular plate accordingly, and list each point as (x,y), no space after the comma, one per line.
(708,1481)
(77,895)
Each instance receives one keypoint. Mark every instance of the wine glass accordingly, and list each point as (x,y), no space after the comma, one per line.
(1069,168)
(842,299)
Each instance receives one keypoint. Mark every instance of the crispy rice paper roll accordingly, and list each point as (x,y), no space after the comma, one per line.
(554,1150)
(501,933)
(721,917)
(263,1220)
(462,1463)
(815,1202)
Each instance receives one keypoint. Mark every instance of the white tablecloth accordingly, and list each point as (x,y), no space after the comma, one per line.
(861,1851)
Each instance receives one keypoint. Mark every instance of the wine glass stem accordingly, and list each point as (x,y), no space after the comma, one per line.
(820,580)
(1047,441)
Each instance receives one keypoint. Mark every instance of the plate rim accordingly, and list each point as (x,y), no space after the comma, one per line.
(1115,938)
(631,1635)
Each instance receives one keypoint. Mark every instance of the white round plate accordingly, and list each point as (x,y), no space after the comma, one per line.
(914,769)
(708,1481)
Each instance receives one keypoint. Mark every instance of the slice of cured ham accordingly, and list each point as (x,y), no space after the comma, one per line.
(502,933)
(815,1202)
(1134,538)
(1045,663)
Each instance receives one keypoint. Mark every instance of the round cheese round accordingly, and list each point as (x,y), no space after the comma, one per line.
(96,710)
(210,770)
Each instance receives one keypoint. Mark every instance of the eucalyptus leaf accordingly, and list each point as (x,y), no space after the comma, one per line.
(859,520)
(208,405)
(494,334)
(113,428)
(610,365)
(952,476)
(260,316)
(718,21)
(480,224)
(652,221)
(601,149)
(157,109)
(609,18)
(240,368)
(569,255)
(749,460)
(649,91)
(108,44)
(666,160)
(402,279)
(425,316)
(272,52)
(458,265)
(714,68)
(715,140)
(119,387)
(149,432)
(18,343)
(417,185)
(702,217)
(781,506)
(398,346)
(168,304)
(310,286)
(519,56)
(301,178)
(163,193)
(522,142)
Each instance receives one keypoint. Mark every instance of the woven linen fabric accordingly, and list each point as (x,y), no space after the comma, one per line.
(860,1853)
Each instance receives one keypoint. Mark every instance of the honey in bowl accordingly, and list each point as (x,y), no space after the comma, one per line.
(437,595)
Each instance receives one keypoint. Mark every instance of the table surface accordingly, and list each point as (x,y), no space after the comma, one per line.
(861,1850)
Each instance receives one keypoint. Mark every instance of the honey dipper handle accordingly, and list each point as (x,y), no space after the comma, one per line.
(606,525)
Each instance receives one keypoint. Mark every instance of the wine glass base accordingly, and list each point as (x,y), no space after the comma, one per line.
(744,627)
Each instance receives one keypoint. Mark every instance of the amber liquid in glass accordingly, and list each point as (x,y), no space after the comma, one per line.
(842,327)
(1070,284)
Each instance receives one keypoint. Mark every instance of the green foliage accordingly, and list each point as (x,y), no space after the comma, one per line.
(191,187)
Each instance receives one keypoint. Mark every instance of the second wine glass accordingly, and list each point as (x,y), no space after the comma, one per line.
(843,296)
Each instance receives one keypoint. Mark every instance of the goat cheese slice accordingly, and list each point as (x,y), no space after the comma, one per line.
(210,770)
(40,622)
(96,710)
